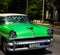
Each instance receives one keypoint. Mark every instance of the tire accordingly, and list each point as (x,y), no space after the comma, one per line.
(43,50)
(4,47)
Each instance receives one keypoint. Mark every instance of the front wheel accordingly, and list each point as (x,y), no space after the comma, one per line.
(43,49)
(4,47)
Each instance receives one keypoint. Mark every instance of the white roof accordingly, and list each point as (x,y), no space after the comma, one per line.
(11,14)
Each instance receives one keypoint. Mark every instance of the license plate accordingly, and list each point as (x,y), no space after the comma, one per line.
(34,45)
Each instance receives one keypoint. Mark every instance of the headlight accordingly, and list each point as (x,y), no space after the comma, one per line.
(12,34)
(50,31)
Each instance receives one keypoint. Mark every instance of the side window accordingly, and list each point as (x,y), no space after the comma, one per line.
(2,20)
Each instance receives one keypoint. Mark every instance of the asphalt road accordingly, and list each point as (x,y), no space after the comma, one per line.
(56,31)
(55,50)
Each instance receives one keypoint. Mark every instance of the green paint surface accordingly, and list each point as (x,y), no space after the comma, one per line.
(23,30)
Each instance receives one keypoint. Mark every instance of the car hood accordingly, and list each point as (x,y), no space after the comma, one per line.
(24,30)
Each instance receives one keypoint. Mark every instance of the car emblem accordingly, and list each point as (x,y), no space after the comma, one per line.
(31,28)
(32,33)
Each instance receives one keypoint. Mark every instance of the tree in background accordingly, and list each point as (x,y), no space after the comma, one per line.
(19,6)
(4,4)
(57,4)
(35,9)
(51,8)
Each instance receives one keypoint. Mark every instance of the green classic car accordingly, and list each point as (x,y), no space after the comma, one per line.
(17,33)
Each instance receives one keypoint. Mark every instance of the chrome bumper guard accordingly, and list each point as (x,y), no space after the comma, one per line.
(43,44)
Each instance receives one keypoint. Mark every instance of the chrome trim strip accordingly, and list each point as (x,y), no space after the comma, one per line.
(29,42)
(17,49)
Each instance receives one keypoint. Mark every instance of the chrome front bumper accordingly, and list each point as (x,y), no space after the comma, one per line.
(25,45)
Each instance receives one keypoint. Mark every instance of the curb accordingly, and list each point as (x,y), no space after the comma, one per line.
(58,27)
(49,25)
(55,35)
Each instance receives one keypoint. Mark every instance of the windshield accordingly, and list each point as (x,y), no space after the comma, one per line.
(17,19)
